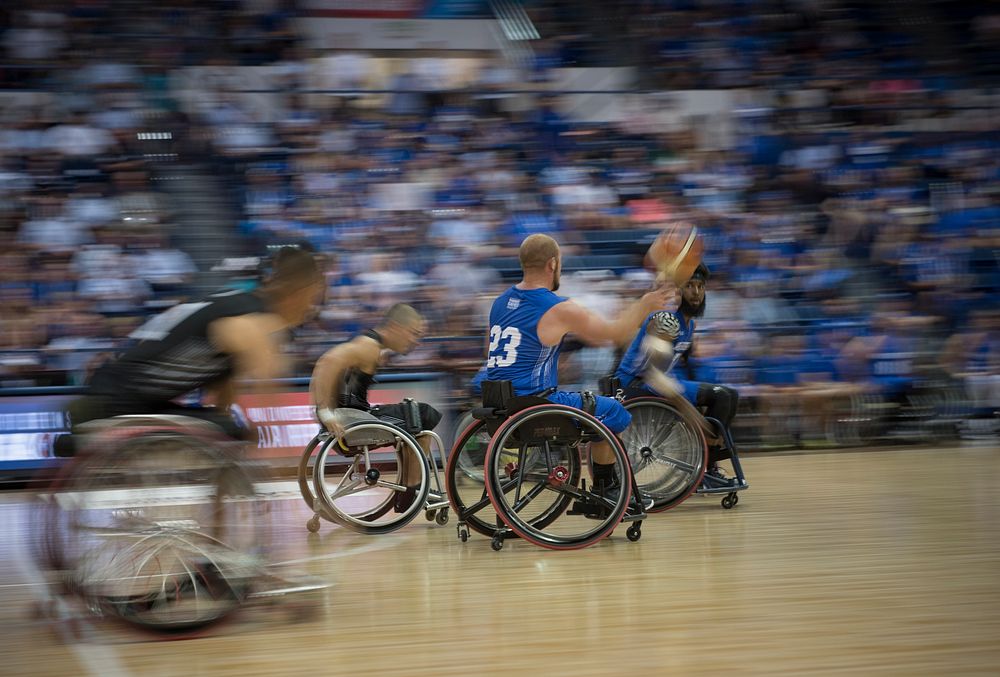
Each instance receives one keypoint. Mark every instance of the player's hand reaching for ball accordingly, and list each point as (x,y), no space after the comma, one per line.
(664,297)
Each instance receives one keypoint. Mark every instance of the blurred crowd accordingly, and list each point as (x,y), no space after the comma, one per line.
(692,44)
(851,221)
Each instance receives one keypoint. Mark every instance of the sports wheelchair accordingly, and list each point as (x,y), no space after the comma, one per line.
(363,497)
(669,452)
(530,484)
(154,522)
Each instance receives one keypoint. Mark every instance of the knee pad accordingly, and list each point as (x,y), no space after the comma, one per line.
(720,402)
(429,416)
(413,415)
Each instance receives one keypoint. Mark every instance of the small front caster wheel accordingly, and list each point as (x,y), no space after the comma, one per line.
(371,476)
(442,517)
(463,534)
(728,501)
(497,543)
(430,515)
(633,534)
(313,524)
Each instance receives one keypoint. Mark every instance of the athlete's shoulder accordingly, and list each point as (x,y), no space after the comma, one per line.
(547,297)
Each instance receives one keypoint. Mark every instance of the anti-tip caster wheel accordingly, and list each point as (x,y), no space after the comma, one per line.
(729,501)
(313,524)
(430,515)
(442,517)
(633,534)
(463,534)
(497,543)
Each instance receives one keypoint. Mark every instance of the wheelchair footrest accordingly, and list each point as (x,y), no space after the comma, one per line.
(636,510)
(589,509)
(717,487)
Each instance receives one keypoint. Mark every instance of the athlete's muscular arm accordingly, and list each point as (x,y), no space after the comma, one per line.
(361,353)
(329,372)
(252,341)
(569,317)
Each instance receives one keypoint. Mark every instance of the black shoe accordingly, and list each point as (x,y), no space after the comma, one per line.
(404,499)
(715,478)
(593,508)
(609,490)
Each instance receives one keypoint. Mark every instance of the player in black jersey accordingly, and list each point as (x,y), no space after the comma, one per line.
(213,346)
(344,373)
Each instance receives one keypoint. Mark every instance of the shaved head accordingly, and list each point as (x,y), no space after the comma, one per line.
(402,313)
(536,251)
(401,328)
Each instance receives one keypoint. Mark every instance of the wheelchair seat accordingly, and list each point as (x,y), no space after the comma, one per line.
(367,436)
(68,445)
(147,420)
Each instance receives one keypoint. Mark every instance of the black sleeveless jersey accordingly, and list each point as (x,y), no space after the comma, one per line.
(174,356)
(354,391)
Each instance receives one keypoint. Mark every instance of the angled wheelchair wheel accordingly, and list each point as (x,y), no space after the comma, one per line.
(532,469)
(467,489)
(361,495)
(321,441)
(161,529)
(470,463)
(305,486)
(668,453)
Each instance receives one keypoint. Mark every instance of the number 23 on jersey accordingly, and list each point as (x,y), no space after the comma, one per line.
(503,355)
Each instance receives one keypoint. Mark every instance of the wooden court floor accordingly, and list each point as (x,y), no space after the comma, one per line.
(867,563)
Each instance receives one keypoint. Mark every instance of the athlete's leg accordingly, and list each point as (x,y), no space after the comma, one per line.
(612,414)
(409,473)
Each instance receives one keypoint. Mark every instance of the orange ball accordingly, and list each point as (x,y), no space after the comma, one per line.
(676,253)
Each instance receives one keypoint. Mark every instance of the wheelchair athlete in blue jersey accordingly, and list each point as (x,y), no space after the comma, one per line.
(639,378)
(528,323)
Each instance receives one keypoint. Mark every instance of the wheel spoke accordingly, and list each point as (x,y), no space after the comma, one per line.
(531,495)
(353,488)
(349,474)
(391,485)
(662,435)
(478,505)
(673,462)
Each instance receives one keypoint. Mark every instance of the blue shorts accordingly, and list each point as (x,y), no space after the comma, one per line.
(609,411)
(690,389)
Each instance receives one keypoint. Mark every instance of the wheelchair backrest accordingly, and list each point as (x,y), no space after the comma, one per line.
(499,396)
(496,394)
(609,386)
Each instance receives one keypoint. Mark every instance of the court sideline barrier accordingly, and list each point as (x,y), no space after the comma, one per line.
(32,418)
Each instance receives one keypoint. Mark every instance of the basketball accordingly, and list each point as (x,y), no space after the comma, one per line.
(676,252)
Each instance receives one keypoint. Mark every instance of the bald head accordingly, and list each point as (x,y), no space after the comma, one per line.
(401,313)
(401,328)
(537,251)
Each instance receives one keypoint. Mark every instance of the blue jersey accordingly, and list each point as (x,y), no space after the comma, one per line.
(516,354)
(634,360)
